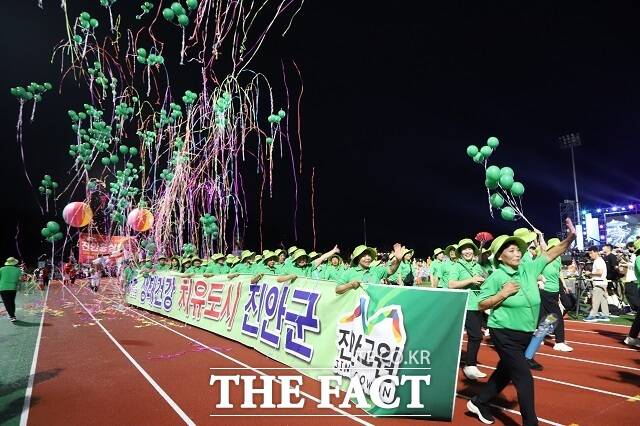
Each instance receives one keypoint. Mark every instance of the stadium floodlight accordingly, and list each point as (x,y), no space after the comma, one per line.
(570,141)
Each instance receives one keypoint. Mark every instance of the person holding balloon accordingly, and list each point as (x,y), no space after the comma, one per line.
(511,292)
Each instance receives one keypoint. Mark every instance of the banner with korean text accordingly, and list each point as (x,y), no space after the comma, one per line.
(373,331)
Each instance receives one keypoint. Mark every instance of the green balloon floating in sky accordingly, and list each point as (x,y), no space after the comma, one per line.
(493,142)
(508,214)
(493,173)
(472,150)
(517,189)
(506,181)
(496,201)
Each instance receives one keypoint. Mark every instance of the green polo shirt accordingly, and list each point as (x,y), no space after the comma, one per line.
(9,277)
(551,273)
(243,268)
(262,268)
(365,275)
(333,272)
(217,269)
(161,268)
(462,270)
(292,268)
(445,270)
(520,311)
(403,271)
(636,267)
(195,270)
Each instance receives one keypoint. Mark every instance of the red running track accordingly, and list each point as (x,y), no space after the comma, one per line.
(103,363)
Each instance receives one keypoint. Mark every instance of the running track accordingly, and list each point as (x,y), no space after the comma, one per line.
(99,362)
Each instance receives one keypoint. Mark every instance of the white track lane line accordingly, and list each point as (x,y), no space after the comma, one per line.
(598,323)
(246,366)
(34,361)
(544,379)
(588,361)
(603,346)
(540,419)
(142,371)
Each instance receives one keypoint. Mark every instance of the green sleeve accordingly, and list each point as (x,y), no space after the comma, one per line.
(536,266)
(490,287)
(344,277)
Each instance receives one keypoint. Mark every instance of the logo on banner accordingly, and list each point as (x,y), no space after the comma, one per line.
(370,347)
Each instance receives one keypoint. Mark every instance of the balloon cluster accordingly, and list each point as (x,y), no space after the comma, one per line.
(107,3)
(177,10)
(146,8)
(188,249)
(223,103)
(276,118)
(47,186)
(506,191)
(122,191)
(96,72)
(33,91)
(51,232)
(176,113)
(87,22)
(96,137)
(189,97)
(151,59)
(210,227)
(149,246)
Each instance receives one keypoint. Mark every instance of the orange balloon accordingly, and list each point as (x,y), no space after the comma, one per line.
(77,214)
(140,219)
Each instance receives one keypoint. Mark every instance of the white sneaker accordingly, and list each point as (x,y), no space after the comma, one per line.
(562,347)
(486,332)
(473,373)
(632,341)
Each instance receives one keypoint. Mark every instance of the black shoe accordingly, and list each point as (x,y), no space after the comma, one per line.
(482,411)
(534,365)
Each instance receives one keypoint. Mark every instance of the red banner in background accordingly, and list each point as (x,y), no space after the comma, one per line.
(93,246)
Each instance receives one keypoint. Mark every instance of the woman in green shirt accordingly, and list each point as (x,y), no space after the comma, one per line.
(334,268)
(362,270)
(10,276)
(467,274)
(302,266)
(436,265)
(549,296)
(216,266)
(175,264)
(511,292)
(632,339)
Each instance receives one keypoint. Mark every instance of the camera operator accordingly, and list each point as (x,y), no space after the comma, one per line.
(627,262)
(598,276)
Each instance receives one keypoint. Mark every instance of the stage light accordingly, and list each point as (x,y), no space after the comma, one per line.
(630,206)
(599,211)
(624,209)
(584,212)
(615,209)
(607,210)
(601,226)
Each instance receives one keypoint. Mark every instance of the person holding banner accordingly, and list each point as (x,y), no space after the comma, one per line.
(362,270)
(175,264)
(511,292)
(334,268)
(447,265)
(216,266)
(302,266)
(467,274)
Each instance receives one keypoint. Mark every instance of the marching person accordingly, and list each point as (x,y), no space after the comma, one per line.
(10,276)
(362,270)
(632,339)
(511,292)
(466,274)
(436,265)
(549,296)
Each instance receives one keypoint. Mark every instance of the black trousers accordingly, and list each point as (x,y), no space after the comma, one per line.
(9,300)
(635,327)
(549,305)
(631,292)
(473,325)
(512,367)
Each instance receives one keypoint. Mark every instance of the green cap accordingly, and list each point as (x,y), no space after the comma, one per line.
(467,242)
(361,250)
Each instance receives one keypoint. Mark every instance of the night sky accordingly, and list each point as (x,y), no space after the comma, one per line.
(393,94)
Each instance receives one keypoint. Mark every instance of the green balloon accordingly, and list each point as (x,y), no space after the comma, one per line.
(53,227)
(124,149)
(168,14)
(486,151)
(41,189)
(493,173)
(58,236)
(507,171)
(491,184)
(478,158)
(105,161)
(517,189)
(472,150)
(493,142)
(507,213)
(192,4)
(45,232)
(496,201)
(133,151)
(183,20)
(506,181)
(113,158)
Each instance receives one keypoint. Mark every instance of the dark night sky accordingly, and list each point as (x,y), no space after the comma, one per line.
(392,96)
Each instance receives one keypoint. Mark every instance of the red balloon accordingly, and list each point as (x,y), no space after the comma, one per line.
(77,214)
